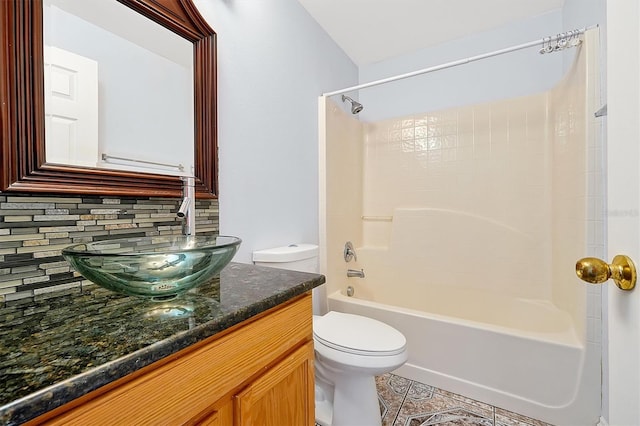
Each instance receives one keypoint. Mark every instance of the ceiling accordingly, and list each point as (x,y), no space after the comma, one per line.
(373,30)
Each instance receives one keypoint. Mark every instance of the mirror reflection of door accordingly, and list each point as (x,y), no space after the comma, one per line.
(145,93)
(71,108)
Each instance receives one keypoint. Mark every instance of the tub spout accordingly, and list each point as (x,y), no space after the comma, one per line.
(355,273)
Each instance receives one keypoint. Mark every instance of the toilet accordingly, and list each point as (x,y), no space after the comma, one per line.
(350,350)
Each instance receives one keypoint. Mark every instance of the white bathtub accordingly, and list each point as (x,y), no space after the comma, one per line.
(517,354)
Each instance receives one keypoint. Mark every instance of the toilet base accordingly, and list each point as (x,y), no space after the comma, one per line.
(324,411)
(324,407)
(355,403)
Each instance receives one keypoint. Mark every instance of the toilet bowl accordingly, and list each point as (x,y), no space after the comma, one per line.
(350,350)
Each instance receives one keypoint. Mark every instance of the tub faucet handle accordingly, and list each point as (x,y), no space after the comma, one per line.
(349,252)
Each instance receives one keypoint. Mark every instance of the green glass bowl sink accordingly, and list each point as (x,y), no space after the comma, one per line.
(159,268)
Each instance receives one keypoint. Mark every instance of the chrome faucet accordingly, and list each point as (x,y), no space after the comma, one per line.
(354,273)
(188,207)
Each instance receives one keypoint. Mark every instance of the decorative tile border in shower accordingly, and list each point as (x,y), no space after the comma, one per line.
(405,402)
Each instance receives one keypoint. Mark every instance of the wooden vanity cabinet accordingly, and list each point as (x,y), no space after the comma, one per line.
(260,372)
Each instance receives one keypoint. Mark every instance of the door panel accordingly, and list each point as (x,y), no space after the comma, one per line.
(622,325)
(71,108)
(275,398)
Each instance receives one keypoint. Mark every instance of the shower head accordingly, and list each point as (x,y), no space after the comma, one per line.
(356,107)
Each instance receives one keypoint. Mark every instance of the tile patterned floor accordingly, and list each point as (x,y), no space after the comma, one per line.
(405,402)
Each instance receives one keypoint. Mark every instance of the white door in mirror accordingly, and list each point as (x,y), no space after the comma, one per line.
(71,108)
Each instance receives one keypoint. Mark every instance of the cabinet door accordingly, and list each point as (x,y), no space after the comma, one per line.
(284,395)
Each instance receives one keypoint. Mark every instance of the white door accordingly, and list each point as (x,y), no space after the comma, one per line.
(71,108)
(623,151)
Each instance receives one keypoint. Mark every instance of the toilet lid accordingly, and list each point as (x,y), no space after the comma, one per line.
(358,335)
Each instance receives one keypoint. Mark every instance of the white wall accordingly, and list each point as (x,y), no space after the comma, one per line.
(274,61)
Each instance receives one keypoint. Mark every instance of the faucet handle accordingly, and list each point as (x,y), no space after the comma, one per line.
(349,252)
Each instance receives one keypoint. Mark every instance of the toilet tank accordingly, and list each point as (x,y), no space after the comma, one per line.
(295,257)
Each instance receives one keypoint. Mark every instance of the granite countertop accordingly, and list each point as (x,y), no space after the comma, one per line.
(59,346)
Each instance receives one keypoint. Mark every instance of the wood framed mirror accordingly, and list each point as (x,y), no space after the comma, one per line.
(22,132)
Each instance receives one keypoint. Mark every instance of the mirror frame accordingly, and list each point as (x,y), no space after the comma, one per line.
(22,143)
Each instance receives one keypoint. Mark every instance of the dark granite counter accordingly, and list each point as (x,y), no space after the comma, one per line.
(59,346)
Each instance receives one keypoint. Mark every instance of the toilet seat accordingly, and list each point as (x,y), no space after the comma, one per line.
(358,335)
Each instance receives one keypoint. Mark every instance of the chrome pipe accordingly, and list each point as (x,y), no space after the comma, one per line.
(187,209)
(183,211)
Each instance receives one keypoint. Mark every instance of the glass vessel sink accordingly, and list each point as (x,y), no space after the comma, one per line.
(159,268)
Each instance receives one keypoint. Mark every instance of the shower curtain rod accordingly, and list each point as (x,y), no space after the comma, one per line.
(541,41)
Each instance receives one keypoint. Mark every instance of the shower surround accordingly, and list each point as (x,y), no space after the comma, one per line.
(467,223)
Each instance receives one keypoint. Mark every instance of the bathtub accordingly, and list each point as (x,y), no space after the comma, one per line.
(519,354)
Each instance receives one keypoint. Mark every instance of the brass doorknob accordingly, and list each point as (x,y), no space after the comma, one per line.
(596,271)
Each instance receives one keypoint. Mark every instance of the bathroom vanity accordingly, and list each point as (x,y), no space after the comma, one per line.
(238,352)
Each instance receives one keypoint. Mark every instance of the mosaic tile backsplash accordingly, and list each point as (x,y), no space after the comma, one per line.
(35,228)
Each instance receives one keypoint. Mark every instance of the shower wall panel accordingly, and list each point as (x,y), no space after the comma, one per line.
(519,165)
(578,187)
(491,162)
(343,180)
